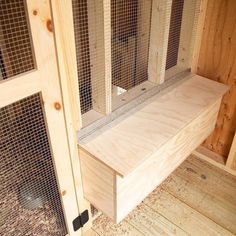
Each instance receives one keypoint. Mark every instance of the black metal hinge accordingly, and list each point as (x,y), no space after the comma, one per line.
(81,220)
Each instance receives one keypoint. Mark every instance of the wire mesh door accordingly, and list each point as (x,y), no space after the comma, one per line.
(37,192)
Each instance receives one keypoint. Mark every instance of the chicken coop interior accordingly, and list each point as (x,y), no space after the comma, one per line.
(117,117)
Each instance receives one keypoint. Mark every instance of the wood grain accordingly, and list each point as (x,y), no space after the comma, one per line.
(207,189)
(147,145)
(217,61)
(161,12)
(231,161)
(125,144)
(177,207)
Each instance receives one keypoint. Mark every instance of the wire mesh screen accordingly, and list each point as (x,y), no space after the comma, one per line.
(29,198)
(15,44)
(80,15)
(130,22)
(174,33)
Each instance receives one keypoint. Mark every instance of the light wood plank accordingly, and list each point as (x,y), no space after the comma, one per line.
(212,161)
(101,188)
(157,168)
(19,87)
(150,222)
(99,22)
(188,32)
(160,24)
(127,142)
(231,161)
(66,56)
(41,25)
(182,215)
(205,189)
(199,35)
(143,34)
(217,62)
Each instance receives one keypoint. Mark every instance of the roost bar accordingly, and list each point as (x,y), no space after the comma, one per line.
(117,117)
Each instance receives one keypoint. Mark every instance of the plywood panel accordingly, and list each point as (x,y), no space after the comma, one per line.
(129,141)
(217,61)
(98,183)
(165,160)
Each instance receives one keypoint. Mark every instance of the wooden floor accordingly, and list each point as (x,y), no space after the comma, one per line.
(197,199)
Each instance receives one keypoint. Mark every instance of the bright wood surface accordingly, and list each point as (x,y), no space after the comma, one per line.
(203,153)
(188,32)
(99,22)
(66,56)
(207,189)
(217,62)
(128,142)
(177,207)
(143,33)
(198,35)
(166,160)
(19,87)
(98,184)
(161,12)
(231,161)
(41,24)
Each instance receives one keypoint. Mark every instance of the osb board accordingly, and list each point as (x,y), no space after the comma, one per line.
(189,202)
(217,61)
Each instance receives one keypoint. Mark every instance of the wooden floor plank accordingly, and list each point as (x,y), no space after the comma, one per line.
(182,215)
(149,222)
(90,232)
(197,199)
(105,227)
(205,189)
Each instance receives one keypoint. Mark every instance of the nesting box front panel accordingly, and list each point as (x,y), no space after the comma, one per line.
(30,201)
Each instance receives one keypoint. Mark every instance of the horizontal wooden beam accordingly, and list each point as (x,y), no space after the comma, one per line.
(19,87)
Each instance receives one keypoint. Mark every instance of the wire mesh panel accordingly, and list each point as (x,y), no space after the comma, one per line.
(130,22)
(174,33)
(182,33)
(29,198)
(15,44)
(90,27)
(80,14)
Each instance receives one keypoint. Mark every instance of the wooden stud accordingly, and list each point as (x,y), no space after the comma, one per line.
(231,161)
(143,32)
(99,23)
(160,24)
(198,37)
(189,28)
(19,87)
(66,56)
(47,68)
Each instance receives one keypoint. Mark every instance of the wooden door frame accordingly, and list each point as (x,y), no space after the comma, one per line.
(47,79)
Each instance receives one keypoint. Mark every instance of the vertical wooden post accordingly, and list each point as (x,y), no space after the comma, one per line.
(160,24)
(231,161)
(42,29)
(66,56)
(99,23)
(143,33)
(198,38)
(191,29)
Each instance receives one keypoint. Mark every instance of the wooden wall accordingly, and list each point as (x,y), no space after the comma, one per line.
(217,61)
